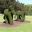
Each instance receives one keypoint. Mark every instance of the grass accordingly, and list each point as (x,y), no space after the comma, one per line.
(22,28)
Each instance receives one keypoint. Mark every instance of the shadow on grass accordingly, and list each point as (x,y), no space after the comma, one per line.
(27,21)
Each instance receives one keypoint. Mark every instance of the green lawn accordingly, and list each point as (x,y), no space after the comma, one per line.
(22,28)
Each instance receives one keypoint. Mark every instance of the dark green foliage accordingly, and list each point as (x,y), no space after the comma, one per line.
(13,8)
(8,15)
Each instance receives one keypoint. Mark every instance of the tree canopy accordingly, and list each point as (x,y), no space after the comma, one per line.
(17,6)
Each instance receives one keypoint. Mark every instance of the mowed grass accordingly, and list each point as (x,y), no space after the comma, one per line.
(27,27)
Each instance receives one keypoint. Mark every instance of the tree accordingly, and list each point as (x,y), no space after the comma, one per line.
(10,11)
(20,7)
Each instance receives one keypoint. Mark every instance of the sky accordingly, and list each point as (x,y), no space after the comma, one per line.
(25,1)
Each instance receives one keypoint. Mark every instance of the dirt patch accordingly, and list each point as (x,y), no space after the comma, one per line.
(15,24)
